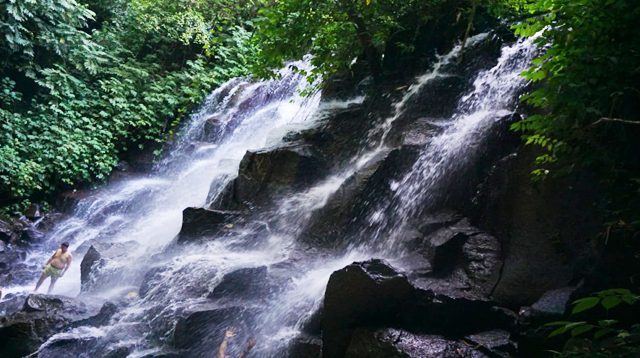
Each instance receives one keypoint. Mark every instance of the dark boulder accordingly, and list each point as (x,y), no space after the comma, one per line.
(99,254)
(41,316)
(373,293)
(267,174)
(552,306)
(245,283)
(464,261)
(434,221)
(90,261)
(198,223)
(360,294)
(395,343)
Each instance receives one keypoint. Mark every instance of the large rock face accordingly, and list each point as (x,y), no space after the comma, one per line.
(546,240)
(463,260)
(372,293)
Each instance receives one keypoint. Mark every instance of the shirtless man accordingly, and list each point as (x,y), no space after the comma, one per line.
(56,267)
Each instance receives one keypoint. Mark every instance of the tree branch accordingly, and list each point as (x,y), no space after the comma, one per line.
(618,120)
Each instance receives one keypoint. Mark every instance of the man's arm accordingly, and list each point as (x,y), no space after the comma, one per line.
(222,351)
(51,258)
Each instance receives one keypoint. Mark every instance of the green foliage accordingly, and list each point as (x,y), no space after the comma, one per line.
(587,93)
(75,93)
(334,32)
(599,337)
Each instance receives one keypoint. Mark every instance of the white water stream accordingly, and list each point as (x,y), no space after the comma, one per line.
(249,116)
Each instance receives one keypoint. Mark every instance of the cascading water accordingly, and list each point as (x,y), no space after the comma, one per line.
(145,213)
(492,99)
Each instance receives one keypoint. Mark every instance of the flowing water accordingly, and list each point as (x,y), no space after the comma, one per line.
(143,214)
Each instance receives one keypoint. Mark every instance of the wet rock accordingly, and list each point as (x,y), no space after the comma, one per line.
(462,257)
(100,254)
(360,294)
(6,232)
(266,174)
(395,343)
(246,283)
(90,262)
(30,234)
(12,268)
(328,223)
(198,223)
(338,137)
(12,303)
(495,343)
(554,303)
(546,241)
(305,347)
(373,293)
(149,279)
(41,316)
(313,323)
(346,210)
(435,221)
(421,131)
(213,129)
(33,212)
(203,327)
(20,231)
(101,319)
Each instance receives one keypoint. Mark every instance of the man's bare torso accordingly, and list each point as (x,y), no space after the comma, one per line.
(60,259)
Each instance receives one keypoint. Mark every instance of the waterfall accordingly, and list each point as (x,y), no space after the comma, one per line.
(145,212)
(492,99)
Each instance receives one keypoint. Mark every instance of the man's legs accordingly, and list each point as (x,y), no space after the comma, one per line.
(40,281)
(53,282)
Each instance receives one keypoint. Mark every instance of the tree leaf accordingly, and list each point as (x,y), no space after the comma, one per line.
(610,302)
(584,304)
